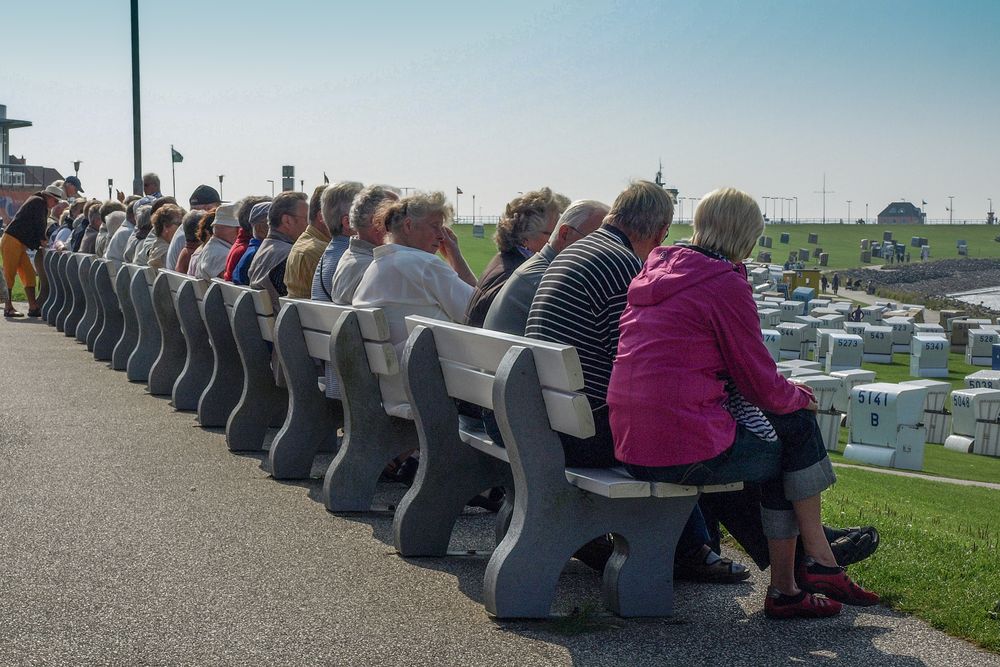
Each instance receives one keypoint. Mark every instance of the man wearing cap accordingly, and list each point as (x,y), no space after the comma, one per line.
(72,186)
(26,232)
(308,248)
(259,226)
(212,263)
(204,198)
(244,208)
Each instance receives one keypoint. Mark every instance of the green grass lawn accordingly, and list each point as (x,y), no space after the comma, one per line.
(937,557)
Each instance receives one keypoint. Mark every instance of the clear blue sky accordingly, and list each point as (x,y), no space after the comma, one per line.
(890,99)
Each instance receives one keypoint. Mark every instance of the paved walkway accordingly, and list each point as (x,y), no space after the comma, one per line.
(917,475)
(130,536)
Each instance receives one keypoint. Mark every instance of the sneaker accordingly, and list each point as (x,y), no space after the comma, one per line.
(834,583)
(803,605)
(706,566)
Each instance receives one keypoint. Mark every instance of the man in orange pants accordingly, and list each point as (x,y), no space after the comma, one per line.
(26,232)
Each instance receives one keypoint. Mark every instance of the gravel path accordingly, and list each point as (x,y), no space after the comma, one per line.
(129,536)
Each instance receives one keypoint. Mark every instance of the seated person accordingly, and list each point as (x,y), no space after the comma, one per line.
(686,395)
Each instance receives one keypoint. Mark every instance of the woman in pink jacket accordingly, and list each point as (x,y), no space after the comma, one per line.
(695,398)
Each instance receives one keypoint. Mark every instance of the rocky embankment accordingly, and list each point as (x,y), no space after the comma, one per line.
(930,281)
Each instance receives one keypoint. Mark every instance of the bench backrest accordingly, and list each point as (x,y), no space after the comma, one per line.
(261,303)
(318,318)
(147,271)
(176,280)
(470,357)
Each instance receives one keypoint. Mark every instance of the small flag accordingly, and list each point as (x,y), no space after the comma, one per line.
(326,181)
(458,191)
(175,156)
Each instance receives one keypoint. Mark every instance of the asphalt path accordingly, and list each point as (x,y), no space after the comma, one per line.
(130,536)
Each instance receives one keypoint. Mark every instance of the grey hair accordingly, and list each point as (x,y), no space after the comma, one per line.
(190,224)
(418,206)
(336,203)
(284,204)
(643,209)
(580,211)
(366,202)
(144,217)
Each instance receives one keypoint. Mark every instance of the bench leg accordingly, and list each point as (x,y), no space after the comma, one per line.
(148,343)
(313,419)
(639,577)
(262,401)
(219,399)
(199,362)
(350,481)
(173,351)
(111,329)
(130,324)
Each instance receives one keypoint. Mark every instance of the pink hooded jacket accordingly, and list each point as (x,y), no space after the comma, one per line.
(690,323)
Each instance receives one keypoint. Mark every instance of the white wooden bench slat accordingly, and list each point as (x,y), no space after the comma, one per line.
(667,490)
(318,344)
(608,482)
(382,359)
(568,412)
(322,316)
(230,292)
(558,366)
(482,442)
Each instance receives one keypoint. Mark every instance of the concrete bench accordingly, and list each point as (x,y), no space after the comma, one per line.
(301,338)
(130,323)
(262,402)
(86,320)
(147,346)
(50,263)
(533,388)
(60,287)
(78,303)
(173,350)
(222,393)
(94,320)
(362,356)
(188,293)
(110,330)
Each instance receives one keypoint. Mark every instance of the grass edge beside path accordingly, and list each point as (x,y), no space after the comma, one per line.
(936,559)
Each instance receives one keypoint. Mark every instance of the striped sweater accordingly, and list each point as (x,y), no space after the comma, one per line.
(580,301)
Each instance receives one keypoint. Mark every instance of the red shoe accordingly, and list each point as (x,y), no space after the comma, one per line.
(834,583)
(803,605)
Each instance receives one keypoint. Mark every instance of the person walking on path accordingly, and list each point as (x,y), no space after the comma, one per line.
(835,284)
(27,232)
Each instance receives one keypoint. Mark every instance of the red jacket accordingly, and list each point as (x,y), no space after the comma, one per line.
(690,323)
(240,246)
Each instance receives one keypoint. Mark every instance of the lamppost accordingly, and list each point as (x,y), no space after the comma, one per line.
(796,209)
(765,205)
(76,167)
(473,210)
(848,211)
(866,213)
(272,187)
(221,176)
(951,209)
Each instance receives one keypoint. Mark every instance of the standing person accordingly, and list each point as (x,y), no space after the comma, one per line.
(689,352)
(824,283)
(26,232)
(835,284)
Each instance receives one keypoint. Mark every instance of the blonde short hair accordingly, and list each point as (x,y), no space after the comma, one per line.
(729,222)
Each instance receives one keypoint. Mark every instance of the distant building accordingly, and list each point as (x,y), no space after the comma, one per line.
(901,213)
(18,180)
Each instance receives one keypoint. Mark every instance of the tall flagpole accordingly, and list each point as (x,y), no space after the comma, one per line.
(136,129)
(173,171)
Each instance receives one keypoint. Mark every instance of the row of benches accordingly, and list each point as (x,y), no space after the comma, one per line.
(209,346)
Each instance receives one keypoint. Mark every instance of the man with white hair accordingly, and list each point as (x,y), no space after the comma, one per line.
(369,233)
(119,240)
(509,310)
(336,206)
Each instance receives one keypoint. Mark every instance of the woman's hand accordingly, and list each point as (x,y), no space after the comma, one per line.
(449,246)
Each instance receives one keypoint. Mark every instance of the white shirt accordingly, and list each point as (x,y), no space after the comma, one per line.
(116,247)
(174,251)
(212,262)
(408,281)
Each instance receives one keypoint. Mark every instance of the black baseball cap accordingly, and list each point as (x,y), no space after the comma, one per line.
(73,180)
(205,194)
